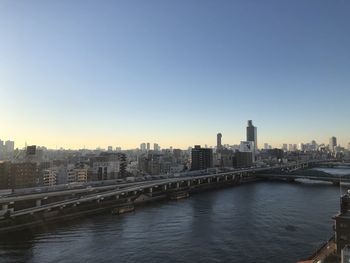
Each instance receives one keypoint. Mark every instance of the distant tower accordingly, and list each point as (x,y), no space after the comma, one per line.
(252,134)
(332,143)
(148,146)
(218,141)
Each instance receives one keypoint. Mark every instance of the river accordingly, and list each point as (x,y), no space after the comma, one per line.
(255,222)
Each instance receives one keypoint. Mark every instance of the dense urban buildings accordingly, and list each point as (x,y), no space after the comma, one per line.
(38,166)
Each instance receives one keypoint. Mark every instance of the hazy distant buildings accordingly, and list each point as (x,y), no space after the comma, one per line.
(202,158)
(148,146)
(285,147)
(301,147)
(9,146)
(218,141)
(332,143)
(118,149)
(156,147)
(143,147)
(252,134)
(6,149)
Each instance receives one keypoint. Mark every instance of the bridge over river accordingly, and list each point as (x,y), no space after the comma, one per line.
(24,210)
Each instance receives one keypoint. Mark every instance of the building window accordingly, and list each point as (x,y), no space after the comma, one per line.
(343,225)
(343,237)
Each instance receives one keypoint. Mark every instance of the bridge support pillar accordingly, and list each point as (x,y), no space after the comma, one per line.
(208,180)
(38,202)
(199,181)
(225,177)
(188,183)
(164,187)
(5,208)
(117,197)
(217,179)
(177,185)
(151,190)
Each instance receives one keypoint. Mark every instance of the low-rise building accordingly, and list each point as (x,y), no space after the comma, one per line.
(342,223)
(50,177)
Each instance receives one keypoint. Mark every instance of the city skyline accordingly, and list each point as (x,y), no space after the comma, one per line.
(149,145)
(75,74)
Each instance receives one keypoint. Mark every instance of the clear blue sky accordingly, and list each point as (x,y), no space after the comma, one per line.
(98,73)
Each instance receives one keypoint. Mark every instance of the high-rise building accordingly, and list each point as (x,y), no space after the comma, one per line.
(202,158)
(10,146)
(148,146)
(252,134)
(110,148)
(218,141)
(143,147)
(156,147)
(332,143)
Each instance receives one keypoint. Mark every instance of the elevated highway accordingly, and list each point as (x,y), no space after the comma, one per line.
(36,205)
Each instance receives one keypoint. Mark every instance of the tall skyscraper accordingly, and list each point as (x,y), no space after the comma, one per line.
(202,158)
(332,143)
(252,134)
(218,141)
(148,146)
